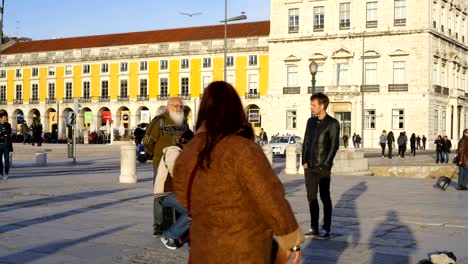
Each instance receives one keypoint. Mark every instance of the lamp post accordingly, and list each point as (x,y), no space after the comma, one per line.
(313,67)
(225,21)
(2,8)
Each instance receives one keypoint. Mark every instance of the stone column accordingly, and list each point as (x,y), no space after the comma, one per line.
(300,169)
(268,153)
(291,160)
(128,163)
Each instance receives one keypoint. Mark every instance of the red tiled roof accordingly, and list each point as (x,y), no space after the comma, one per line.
(251,29)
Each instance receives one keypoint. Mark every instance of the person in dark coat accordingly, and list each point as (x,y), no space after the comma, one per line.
(424,139)
(358,141)
(462,162)
(391,143)
(36,132)
(139,133)
(6,145)
(402,141)
(418,142)
(439,142)
(413,145)
(446,149)
(345,140)
(354,140)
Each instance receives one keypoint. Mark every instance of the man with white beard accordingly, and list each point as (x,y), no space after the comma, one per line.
(164,131)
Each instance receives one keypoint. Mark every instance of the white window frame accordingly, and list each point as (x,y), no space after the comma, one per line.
(32,91)
(49,86)
(372,14)
(107,88)
(143,66)
(291,119)
(3,74)
(68,70)
(161,86)
(370,119)
(400,9)
(398,118)
(121,87)
(207,62)
(88,67)
(104,67)
(206,80)
(185,64)
(292,77)
(399,67)
(163,65)
(18,73)
(319,18)
(66,90)
(185,86)
(345,15)
(370,69)
(51,71)
(140,87)
(253,60)
(35,72)
(3,93)
(86,85)
(124,66)
(436,120)
(21,91)
(293,20)
(253,83)
(342,74)
(230,61)
(444,120)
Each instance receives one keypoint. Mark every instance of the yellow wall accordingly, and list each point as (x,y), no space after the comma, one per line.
(11,90)
(153,79)
(77,84)
(59,84)
(174,82)
(218,69)
(195,77)
(43,87)
(95,83)
(26,84)
(114,84)
(133,84)
(263,78)
(241,75)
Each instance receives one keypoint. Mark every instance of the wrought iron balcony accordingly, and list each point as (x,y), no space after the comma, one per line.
(143,98)
(398,87)
(185,96)
(318,89)
(34,101)
(104,99)
(163,97)
(18,101)
(291,90)
(252,95)
(68,100)
(370,88)
(123,98)
(51,101)
(85,99)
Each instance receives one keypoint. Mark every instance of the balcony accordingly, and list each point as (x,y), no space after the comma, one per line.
(445,91)
(185,96)
(400,22)
(51,101)
(34,101)
(345,24)
(398,87)
(123,98)
(318,89)
(254,95)
(293,29)
(319,28)
(370,88)
(437,89)
(163,97)
(143,98)
(3,102)
(372,24)
(68,100)
(85,99)
(291,90)
(104,99)
(18,101)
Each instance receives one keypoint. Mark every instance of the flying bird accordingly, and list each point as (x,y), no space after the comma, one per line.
(191,14)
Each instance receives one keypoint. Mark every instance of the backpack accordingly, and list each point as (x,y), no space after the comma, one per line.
(157,120)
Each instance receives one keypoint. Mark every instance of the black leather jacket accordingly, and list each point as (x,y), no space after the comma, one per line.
(321,142)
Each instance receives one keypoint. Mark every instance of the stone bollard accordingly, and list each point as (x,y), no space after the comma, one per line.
(41,158)
(128,163)
(268,153)
(300,169)
(291,160)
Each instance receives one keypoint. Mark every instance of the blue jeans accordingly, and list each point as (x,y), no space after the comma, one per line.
(445,155)
(4,155)
(182,225)
(463,176)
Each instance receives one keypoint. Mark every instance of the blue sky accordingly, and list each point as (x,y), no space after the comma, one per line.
(45,19)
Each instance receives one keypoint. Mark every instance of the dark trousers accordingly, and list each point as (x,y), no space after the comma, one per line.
(382,145)
(390,150)
(401,151)
(4,155)
(440,156)
(318,180)
(424,145)
(413,151)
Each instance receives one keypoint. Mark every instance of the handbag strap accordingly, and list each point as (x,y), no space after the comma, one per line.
(189,189)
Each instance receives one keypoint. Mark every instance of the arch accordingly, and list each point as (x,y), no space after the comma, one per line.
(33,115)
(104,115)
(123,119)
(254,117)
(86,117)
(17,119)
(50,120)
(143,115)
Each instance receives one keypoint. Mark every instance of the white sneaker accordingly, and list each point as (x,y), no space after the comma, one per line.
(168,243)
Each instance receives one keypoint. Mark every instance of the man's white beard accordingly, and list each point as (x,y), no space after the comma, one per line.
(177,117)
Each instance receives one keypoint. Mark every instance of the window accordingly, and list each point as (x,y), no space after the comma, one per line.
(398,119)
(105,89)
(51,71)
(436,120)
(345,15)
(86,90)
(3,93)
(185,90)
(292,76)
(35,72)
(400,12)
(123,67)
(86,69)
(291,119)
(230,61)
(293,20)
(68,91)
(123,88)
(185,64)
(206,81)
(206,62)
(319,18)
(399,72)
(143,65)
(163,65)
(371,73)
(372,17)
(2,74)
(342,69)
(253,84)
(163,84)
(444,120)
(68,70)
(369,119)
(144,87)
(319,76)
(51,91)
(35,91)
(104,68)
(252,60)
(18,73)
(442,19)
(435,80)
(19,92)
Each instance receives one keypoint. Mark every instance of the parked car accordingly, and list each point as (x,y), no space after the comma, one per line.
(280,144)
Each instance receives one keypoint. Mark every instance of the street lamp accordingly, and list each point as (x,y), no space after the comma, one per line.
(225,21)
(313,67)
(2,8)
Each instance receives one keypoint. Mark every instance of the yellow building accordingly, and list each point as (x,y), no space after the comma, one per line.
(125,78)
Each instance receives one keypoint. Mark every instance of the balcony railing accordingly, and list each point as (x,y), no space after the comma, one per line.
(85,99)
(398,87)
(143,98)
(291,90)
(33,101)
(318,28)
(124,98)
(185,96)
(318,89)
(294,29)
(437,89)
(163,97)
(104,99)
(252,95)
(372,24)
(345,24)
(3,102)
(51,101)
(68,100)
(445,91)
(18,101)
(400,22)
(370,88)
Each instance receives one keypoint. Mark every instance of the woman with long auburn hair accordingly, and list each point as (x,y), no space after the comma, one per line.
(230,190)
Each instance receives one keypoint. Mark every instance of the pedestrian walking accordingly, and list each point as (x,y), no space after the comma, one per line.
(391,144)
(354,140)
(462,161)
(413,145)
(321,142)
(345,140)
(139,133)
(236,204)
(263,138)
(383,142)
(424,139)
(418,142)
(25,133)
(6,145)
(439,142)
(358,141)
(402,141)
(446,149)
(36,128)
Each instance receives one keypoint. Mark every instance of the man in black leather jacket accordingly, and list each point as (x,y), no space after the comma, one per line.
(321,142)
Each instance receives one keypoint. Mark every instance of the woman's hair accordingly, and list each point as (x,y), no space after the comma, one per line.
(221,114)
(464,131)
